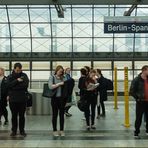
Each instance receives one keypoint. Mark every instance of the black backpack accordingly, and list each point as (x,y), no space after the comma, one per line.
(109,84)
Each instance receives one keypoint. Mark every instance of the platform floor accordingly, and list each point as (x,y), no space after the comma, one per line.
(110,131)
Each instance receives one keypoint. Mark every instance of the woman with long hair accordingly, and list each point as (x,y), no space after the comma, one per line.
(91,96)
(56,83)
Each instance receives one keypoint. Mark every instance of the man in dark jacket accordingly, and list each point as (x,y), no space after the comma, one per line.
(139,90)
(17,87)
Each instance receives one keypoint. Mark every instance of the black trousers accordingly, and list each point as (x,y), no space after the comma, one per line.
(90,109)
(18,109)
(141,108)
(101,106)
(3,111)
(58,107)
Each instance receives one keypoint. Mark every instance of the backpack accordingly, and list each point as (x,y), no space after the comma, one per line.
(109,84)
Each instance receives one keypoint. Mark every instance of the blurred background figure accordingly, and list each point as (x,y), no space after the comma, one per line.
(102,94)
(3,96)
(71,84)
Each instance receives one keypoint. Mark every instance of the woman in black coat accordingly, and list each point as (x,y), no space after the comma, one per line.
(3,96)
(102,89)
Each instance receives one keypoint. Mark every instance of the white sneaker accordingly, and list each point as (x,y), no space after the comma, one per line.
(55,134)
(62,133)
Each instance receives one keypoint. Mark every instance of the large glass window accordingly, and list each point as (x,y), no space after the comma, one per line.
(37,28)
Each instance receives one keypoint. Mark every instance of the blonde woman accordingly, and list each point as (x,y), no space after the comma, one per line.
(56,83)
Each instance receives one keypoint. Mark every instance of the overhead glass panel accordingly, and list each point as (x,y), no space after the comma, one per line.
(82,45)
(103,44)
(141,44)
(3,15)
(20,30)
(142,11)
(41,45)
(21,45)
(119,11)
(82,15)
(67,15)
(82,30)
(123,45)
(99,31)
(41,30)
(99,14)
(4,30)
(39,15)
(62,45)
(18,15)
(5,45)
(61,30)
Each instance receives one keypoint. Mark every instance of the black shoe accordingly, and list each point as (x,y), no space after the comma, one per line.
(23,134)
(102,115)
(68,114)
(13,134)
(88,128)
(136,136)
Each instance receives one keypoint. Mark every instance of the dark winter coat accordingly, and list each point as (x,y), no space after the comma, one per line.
(4,91)
(81,85)
(102,88)
(17,90)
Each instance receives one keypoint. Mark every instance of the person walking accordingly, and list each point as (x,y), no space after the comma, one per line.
(3,96)
(139,90)
(17,87)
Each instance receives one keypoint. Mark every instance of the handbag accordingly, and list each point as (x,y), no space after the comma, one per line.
(29,101)
(82,104)
(47,92)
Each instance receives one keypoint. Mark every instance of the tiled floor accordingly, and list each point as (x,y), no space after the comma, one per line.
(110,131)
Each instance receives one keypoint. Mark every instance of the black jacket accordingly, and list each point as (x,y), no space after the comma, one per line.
(102,88)
(81,85)
(67,89)
(137,88)
(17,90)
(4,91)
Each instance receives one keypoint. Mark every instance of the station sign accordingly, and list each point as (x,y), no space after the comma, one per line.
(126,24)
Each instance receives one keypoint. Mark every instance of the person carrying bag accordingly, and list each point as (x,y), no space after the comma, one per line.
(58,100)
